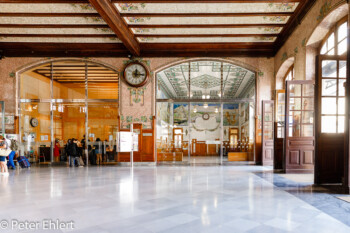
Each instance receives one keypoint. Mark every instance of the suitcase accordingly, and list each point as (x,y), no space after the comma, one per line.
(23,162)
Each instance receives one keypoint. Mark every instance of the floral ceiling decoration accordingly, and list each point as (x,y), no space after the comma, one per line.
(203,78)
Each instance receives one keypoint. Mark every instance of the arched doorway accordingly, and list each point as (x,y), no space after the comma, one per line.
(205,111)
(61,99)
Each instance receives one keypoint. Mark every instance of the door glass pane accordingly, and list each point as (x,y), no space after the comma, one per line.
(295,90)
(329,87)
(205,131)
(268,131)
(280,132)
(330,41)
(308,117)
(307,131)
(329,105)
(308,103)
(328,124)
(294,123)
(342,31)
(341,89)
(329,68)
(268,116)
(294,103)
(342,47)
(35,131)
(2,118)
(308,90)
(102,131)
(68,123)
(341,124)
(341,106)
(342,69)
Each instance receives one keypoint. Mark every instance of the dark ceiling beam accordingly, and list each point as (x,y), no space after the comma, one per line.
(203,35)
(44,1)
(206,14)
(203,1)
(23,14)
(299,13)
(54,26)
(110,14)
(61,35)
(150,1)
(203,25)
(28,49)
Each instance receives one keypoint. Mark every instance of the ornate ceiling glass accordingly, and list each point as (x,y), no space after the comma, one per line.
(204,80)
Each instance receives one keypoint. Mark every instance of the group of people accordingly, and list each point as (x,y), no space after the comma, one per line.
(74,151)
(10,146)
(97,153)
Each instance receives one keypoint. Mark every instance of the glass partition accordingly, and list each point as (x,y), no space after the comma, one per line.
(205,129)
(2,117)
(102,132)
(172,132)
(35,131)
(205,111)
(69,99)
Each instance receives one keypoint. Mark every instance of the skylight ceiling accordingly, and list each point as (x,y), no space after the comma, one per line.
(204,80)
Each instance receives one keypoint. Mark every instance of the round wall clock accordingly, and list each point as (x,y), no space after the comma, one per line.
(136,74)
(205,116)
(34,122)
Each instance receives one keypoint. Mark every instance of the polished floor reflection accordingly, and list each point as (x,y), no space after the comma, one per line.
(167,199)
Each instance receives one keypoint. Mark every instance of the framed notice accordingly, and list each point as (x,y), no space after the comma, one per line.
(125,142)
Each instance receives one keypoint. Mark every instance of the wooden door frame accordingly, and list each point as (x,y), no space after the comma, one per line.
(286,127)
(262,127)
(345,176)
(279,91)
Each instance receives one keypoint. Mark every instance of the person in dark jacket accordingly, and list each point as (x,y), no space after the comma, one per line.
(73,152)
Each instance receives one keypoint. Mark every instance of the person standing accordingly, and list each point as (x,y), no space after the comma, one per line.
(3,165)
(56,151)
(73,152)
(13,145)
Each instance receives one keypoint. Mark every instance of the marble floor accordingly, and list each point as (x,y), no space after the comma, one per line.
(168,199)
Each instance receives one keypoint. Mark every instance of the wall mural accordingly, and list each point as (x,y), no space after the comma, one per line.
(181,114)
(205,118)
(231,115)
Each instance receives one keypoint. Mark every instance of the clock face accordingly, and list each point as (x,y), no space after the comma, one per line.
(135,74)
(34,122)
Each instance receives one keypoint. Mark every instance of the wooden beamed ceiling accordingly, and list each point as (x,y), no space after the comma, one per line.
(148,28)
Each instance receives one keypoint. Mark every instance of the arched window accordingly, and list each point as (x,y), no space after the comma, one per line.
(335,43)
(290,74)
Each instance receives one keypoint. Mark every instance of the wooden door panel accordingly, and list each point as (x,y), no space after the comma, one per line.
(330,136)
(308,157)
(294,157)
(299,129)
(279,129)
(267,132)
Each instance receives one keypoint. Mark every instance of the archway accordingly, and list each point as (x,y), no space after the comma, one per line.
(205,112)
(61,99)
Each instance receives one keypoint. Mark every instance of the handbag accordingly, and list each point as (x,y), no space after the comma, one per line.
(5,152)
